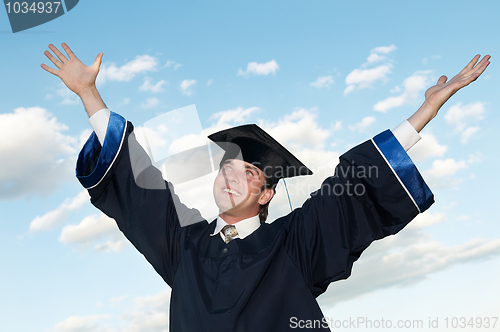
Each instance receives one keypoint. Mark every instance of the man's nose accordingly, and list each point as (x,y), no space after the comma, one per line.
(232,175)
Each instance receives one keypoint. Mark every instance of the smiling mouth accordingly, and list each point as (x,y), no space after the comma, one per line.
(230,191)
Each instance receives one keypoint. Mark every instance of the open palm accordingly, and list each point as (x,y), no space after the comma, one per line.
(437,95)
(77,76)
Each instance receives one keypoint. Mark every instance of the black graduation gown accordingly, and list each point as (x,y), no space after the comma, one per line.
(268,281)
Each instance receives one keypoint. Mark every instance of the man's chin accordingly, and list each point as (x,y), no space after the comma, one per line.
(225,206)
(230,210)
(227,210)
(226,202)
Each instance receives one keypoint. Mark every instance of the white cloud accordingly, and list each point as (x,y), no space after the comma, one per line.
(445,167)
(110,72)
(149,86)
(426,60)
(336,126)
(475,158)
(90,230)
(125,101)
(442,173)
(115,300)
(409,257)
(260,68)
(186,86)
(36,155)
(210,82)
(467,134)
(413,86)
(56,217)
(427,147)
(299,130)
(322,82)
(374,57)
(150,103)
(378,54)
(83,324)
(383,49)
(396,89)
(144,313)
(233,116)
(84,136)
(186,142)
(172,64)
(154,301)
(364,124)
(362,77)
(462,116)
(68,96)
(427,219)
(109,246)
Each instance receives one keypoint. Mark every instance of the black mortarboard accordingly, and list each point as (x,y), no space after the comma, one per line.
(253,145)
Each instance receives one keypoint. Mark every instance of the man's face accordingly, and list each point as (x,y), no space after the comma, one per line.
(237,190)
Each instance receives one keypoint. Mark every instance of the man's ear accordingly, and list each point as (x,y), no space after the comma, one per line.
(266,195)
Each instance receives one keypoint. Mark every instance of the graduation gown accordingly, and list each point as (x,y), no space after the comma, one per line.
(268,281)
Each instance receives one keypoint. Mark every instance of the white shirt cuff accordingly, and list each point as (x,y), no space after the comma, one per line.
(406,135)
(99,122)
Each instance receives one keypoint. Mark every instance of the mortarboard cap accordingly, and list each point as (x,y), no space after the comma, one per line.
(252,144)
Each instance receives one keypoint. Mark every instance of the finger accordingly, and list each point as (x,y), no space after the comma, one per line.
(97,62)
(60,56)
(68,50)
(50,70)
(474,76)
(471,64)
(481,66)
(479,69)
(442,80)
(49,55)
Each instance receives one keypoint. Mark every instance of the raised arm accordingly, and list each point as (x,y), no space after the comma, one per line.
(78,77)
(437,95)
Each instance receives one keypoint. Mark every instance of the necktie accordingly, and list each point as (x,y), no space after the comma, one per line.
(229,232)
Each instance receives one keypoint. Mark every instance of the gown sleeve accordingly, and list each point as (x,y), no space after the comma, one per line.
(124,185)
(375,191)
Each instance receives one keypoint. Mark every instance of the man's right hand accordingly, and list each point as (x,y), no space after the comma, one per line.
(78,77)
(73,72)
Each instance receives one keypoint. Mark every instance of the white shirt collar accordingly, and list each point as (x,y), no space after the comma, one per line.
(244,227)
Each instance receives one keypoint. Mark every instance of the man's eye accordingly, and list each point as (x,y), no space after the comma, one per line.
(249,173)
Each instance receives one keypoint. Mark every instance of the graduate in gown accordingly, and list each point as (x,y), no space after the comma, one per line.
(239,273)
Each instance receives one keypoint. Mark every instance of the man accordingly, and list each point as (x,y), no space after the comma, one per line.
(256,276)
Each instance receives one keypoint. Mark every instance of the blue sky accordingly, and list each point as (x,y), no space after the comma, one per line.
(326,76)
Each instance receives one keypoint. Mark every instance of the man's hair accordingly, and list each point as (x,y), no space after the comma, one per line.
(263,209)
